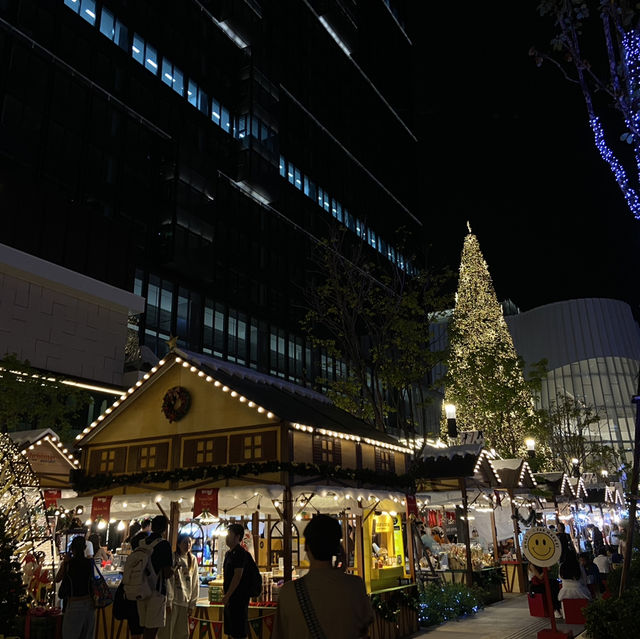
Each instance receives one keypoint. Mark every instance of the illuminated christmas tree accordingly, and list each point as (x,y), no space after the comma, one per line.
(485,379)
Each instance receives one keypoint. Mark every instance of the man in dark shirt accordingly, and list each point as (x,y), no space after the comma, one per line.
(152,611)
(236,596)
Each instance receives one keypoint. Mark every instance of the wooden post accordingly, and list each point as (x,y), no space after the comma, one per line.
(496,553)
(359,548)
(467,543)
(268,536)
(287,523)
(345,538)
(410,546)
(174,523)
(555,505)
(516,541)
(255,532)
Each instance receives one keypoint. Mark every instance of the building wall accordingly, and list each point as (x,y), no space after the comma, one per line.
(593,352)
(62,322)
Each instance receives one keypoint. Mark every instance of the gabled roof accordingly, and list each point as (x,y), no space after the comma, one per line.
(557,483)
(515,473)
(614,494)
(440,468)
(26,440)
(578,487)
(302,408)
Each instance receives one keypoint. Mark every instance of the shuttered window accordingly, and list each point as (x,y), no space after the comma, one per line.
(153,456)
(110,460)
(327,450)
(208,451)
(260,446)
(385,461)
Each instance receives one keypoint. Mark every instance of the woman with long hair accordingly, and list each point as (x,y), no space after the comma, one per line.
(77,571)
(182,592)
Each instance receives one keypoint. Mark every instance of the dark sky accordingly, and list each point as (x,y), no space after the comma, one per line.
(510,149)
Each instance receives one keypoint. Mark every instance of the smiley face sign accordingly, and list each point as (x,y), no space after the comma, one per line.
(541,546)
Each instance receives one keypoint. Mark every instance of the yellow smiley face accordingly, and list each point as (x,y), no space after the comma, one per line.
(541,547)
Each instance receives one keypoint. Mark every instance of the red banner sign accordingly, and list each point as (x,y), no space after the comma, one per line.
(51,497)
(412,506)
(100,508)
(206,499)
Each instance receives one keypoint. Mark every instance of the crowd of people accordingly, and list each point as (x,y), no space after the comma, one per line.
(582,575)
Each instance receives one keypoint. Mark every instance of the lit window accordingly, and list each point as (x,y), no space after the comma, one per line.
(215,111)
(283,165)
(107,461)
(121,35)
(137,49)
(203,102)
(107,24)
(225,122)
(172,76)
(73,4)
(151,59)
(241,126)
(326,201)
(297,181)
(88,11)
(290,171)
(255,128)
(192,93)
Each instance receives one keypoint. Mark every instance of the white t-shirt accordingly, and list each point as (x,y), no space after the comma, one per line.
(573,589)
(340,601)
(603,562)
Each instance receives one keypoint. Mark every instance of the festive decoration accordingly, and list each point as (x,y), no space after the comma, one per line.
(83,483)
(445,602)
(176,403)
(485,379)
(12,590)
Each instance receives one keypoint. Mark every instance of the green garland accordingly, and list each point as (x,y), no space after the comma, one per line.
(83,483)
(389,608)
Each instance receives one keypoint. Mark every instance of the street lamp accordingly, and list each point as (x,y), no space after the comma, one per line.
(452,427)
(576,467)
(605,474)
(530,443)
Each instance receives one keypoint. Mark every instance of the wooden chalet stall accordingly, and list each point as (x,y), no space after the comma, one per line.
(196,423)
(516,479)
(455,477)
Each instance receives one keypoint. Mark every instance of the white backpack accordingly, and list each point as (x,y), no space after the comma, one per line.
(139,578)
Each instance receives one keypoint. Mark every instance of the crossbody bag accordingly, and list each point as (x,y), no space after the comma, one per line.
(308,611)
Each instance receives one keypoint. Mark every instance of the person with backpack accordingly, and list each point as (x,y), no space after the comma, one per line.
(75,576)
(127,609)
(182,591)
(240,584)
(145,577)
(326,602)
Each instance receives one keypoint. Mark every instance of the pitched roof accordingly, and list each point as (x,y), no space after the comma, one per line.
(303,408)
(515,473)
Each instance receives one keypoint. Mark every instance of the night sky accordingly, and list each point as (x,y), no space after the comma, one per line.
(507,146)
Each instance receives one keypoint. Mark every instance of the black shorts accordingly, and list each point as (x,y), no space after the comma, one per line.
(236,617)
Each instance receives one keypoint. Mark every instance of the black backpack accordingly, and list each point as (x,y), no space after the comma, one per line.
(253,579)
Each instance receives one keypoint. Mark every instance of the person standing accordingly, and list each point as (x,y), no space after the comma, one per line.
(131,607)
(77,571)
(614,537)
(182,591)
(568,550)
(537,586)
(236,595)
(338,601)
(603,562)
(152,610)
(596,538)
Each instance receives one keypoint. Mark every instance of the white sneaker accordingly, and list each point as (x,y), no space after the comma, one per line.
(558,614)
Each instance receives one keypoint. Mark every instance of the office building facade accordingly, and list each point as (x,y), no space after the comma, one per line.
(195,153)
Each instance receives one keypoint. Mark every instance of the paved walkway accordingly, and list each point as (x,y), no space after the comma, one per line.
(508,619)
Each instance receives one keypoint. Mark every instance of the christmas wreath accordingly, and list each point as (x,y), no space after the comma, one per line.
(176,403)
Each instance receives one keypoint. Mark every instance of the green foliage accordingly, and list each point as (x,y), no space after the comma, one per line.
(485,378)
(445,602)
(28,400)
(373,320)
(614,617)
(13,595)
(388,605)
(566,428)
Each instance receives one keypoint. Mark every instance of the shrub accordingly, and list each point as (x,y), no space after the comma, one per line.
(444,602)
(614,617)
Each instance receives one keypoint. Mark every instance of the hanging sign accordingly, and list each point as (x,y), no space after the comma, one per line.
(541,546)
(412,505)
(472,437)
(206,499)
(100,507)
(51,497)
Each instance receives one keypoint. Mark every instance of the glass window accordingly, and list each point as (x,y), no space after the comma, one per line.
(151,59)
(121,35)
(225,122)
(241,126)
(178,81)
(88,11)
(255,128)
(192,93)
(320,195)
(326,202)
(290,172)
(338,212)
(348,220)
(283,166)
(73,4)
(203,102)
(297,181)
(107,24)
(215,111)
(137,49)
(167,72)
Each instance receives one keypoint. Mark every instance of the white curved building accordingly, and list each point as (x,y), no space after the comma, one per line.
(593,352)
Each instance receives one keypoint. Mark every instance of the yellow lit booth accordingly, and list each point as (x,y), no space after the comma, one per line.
(385,551)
